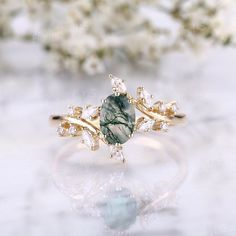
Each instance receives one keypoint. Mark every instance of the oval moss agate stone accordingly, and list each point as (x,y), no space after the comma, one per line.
(117,119)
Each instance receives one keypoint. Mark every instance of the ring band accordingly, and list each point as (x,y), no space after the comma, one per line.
(115,121)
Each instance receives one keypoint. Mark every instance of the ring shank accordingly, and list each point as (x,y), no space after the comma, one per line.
(179,118)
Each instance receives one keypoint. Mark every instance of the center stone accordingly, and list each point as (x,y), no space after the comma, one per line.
(117,119)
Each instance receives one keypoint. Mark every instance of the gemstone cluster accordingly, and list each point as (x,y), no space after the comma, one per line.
(114,122)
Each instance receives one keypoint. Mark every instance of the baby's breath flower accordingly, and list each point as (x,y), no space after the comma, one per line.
(93,65)
(83,34)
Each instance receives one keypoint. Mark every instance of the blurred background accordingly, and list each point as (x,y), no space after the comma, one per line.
(59,53)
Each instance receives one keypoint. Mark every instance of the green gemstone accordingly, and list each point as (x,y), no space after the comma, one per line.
(117,119)
(120,210)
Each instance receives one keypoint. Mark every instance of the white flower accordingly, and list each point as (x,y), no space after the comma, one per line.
(93,65)
(83,34)
(84,6)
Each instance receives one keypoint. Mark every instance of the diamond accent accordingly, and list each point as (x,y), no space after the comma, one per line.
(74,111)
(118,85)
(145,96)
(89,112)
(61,131)
(89,140)
(174,107)
(159,107)
(171,109)
(116,152)
(164,126)
(73,130)
(71,111)
(146,125)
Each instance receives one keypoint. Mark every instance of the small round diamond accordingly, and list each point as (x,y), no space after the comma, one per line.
(164,126)
(72,130)
(61,131)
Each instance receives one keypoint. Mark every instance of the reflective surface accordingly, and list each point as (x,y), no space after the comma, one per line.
(119,210)
(118,192)
(204,88)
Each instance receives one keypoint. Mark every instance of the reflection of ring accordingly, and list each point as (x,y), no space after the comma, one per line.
(115,121)
(104,189)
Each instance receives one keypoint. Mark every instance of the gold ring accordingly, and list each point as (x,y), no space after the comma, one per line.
(115,121)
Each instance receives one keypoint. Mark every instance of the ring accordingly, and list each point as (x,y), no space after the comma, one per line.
(115,121)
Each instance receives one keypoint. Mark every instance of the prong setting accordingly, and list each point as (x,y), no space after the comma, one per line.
(118,85)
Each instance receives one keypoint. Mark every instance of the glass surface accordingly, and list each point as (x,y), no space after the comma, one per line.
(120,192)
